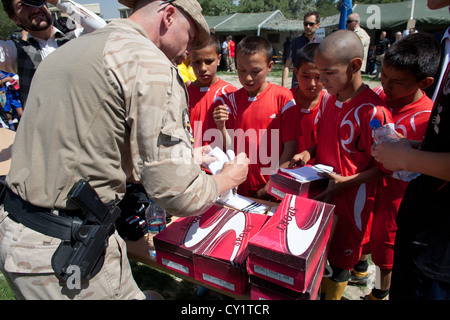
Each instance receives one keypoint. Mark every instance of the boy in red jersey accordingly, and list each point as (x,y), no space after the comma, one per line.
(408,69)
(308,95)
(344,142)
(265,117)
(207,92)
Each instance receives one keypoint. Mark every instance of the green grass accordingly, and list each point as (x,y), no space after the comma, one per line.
(5,292)
(169,286)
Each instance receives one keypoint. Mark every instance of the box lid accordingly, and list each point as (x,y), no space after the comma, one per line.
(184,235)
(294,233)
(296,185)
(229,244)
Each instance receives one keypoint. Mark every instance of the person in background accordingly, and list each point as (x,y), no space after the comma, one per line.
(353,24)
(225,51)
(231,53)
(379,48)
(22,57)
(186,71)
(398,36)
(311,22)
(12,106)
(286,46)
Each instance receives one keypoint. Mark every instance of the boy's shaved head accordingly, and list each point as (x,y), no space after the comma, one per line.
(342,46)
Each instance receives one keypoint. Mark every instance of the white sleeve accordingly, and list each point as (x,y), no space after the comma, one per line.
(82,16)
(8,56)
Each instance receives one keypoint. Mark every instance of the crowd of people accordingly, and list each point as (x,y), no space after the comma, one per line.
(122,112)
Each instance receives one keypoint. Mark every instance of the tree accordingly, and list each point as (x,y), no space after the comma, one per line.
(327,8)
(7,26)
(217,7)
(298,8)
(249,6)
(294,9)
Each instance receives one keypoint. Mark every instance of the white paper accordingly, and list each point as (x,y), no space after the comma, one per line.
(244,204)
(216,166)
(307,173)
(230,198)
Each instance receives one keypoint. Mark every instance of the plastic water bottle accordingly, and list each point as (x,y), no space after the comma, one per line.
(155,217)
(156,221)
(387,133)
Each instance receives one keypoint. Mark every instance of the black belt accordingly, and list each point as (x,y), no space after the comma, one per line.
(37,218)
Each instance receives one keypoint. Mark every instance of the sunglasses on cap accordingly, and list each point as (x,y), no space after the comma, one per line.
(34,3)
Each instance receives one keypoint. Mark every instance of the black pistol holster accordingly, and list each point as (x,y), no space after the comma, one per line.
(84,237)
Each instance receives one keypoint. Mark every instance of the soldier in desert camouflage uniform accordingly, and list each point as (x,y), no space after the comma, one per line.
(119,112)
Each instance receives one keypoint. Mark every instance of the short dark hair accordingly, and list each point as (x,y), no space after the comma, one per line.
(7,6)
(312,13)
(214,41)
(255,44)
(418,52)
(305,55)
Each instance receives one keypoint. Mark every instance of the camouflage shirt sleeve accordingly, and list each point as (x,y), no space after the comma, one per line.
(156,112)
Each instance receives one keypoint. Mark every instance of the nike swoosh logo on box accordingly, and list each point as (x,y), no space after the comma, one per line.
(236,224)
(298,240)
(196,234)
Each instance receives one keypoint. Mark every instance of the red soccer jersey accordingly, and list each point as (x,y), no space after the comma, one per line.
(231,48)
(345,142)
(411,121)
(202,101)
(262,125)
(308,122)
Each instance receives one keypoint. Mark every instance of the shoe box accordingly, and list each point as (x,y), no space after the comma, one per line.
(221,260)
(281,184)
(262,289)
(288,249)
(175,244)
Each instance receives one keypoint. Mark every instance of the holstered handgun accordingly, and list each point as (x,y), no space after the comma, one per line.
(90,236)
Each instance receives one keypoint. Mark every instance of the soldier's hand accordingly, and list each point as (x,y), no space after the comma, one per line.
(233,173)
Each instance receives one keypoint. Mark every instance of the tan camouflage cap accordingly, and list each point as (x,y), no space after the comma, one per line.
(193,9)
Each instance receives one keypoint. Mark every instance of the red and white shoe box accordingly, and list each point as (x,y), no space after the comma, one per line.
(262,289)
(221,260)
(287,250)
(281,184)
(176,243)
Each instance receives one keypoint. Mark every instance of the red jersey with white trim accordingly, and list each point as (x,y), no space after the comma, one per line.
(308,122)
(202,101)
(344,142)
(411,121)
(262,125)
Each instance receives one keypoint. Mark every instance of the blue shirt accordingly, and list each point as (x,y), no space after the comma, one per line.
(12,96)
(296,45)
